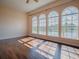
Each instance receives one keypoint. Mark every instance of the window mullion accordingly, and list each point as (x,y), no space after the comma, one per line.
(78,25)
(59,26)
(37,24)
(46,24)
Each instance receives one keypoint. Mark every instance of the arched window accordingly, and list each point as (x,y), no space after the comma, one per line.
(34,25)
(70,23)
(53,24)
(42,24)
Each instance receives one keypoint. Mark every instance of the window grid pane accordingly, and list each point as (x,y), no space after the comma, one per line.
(34,25)
(53,24)
(42,25)
(70,24)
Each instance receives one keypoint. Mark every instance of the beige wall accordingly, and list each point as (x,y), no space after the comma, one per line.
(12,23)
(58,6)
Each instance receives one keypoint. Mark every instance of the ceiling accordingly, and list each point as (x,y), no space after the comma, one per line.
(21,5)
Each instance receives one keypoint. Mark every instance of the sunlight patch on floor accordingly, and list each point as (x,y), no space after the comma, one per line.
(20,41)
(26,39)
(35,42)
(44,54)
(69,53)
(30,38)
(28,46)
(48,48)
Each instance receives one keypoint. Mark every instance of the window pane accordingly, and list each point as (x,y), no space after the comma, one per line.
(42,24)
(70,10)
(70,23)
(53,24)
(34,24)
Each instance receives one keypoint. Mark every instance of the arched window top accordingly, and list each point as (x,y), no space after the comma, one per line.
(42,16)
(34,17)
(53,14)
(70,10)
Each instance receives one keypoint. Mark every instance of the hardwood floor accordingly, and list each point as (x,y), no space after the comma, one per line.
(32,48)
